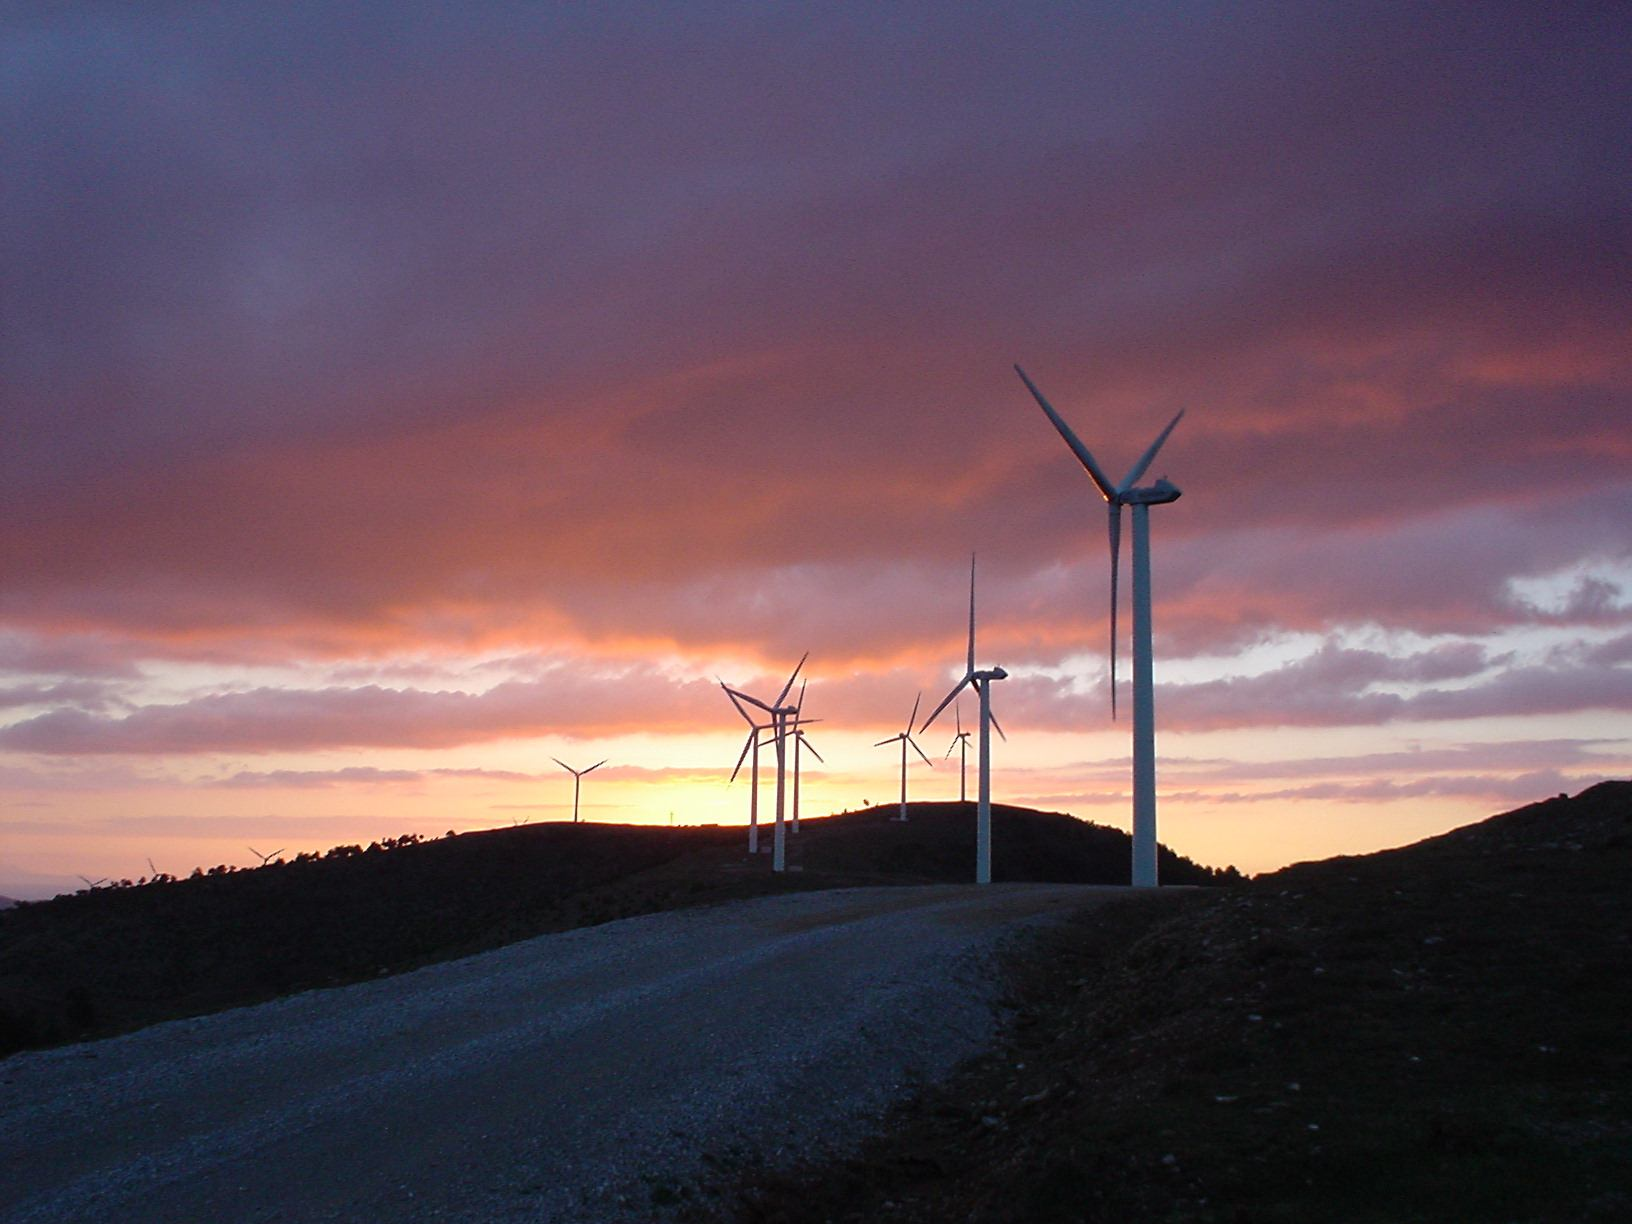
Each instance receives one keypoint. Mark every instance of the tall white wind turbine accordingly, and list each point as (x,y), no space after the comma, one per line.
(1144,712)
(982,682)
(577,781)
(783,719)
(907,741)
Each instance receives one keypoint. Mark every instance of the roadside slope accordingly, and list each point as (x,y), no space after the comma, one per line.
(1433,1033)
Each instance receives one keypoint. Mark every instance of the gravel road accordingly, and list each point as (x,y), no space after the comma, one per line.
(574,1077)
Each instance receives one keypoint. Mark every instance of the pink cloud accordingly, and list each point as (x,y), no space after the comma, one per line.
(789,338)
(1504,788)
(270,719)
(354,775)
(455,334)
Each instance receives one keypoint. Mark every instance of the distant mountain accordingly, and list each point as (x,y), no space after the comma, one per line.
(112,959)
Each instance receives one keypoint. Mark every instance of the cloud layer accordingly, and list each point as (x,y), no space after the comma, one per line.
(651,343)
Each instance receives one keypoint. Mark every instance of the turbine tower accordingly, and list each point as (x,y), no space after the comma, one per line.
(1144,712)
(982,682)
(783,717)
(801,741)
(751,745)
(906,739)
(577,781)
(960,741)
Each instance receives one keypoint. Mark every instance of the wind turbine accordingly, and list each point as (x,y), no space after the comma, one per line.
(781,717)
(752,745)
(982,682)
(265,858)
(800,741)
(906,739)
(1144,712)
(960,741)
(577,781)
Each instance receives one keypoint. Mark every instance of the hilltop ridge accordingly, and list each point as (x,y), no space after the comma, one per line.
(107,960)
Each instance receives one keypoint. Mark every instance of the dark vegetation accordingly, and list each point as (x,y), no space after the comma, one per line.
(1438,1033)
(110,959)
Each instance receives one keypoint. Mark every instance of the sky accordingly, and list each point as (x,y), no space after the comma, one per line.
(399,396)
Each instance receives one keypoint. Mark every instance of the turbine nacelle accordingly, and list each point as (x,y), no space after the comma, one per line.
(1158,494)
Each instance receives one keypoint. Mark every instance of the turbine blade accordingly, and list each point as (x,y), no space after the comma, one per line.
(920,752)
(811,748)
(799,705)
(996,726)
(891,740)
(753,738)
(791,678)
(946,701)
(1084,456)
(1116,553)
(595,766)
(971,612)
(913,717)
(739,697)
(563,764)
(736,702)
(1138,469)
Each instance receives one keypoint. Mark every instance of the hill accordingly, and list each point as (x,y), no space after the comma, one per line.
(1432,1033)
(111,959)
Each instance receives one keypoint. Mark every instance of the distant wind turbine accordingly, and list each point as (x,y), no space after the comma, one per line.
(755,730)
(801,741)
(907,741)
(783,717)
(1144,711)
(94,883)
(960,741)
(982,683)
(577,781)
(263,857)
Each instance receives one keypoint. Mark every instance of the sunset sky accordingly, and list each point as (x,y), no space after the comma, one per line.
(396,396)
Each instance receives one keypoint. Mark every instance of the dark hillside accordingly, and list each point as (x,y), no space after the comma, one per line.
(111,959)
(937,843)
(1437,1033)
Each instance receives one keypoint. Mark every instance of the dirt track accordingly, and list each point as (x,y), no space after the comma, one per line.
(579,1076)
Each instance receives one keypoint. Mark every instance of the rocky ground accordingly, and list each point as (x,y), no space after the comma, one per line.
(585,1076)
(1434,1033)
